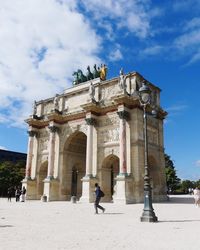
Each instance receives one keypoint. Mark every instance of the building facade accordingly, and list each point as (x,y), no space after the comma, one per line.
(93,132)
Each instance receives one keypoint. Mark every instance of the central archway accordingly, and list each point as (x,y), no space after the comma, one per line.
(74,164)
(109,171)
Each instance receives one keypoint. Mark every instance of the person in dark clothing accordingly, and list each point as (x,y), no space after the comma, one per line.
(98,193)
(23,193)
(17,194)
(9,194)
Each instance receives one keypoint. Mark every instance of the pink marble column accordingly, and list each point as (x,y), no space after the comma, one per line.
(89,152)
(30,153)
(123,115)
(51,157)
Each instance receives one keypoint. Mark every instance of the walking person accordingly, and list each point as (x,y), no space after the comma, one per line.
(17,194)
(23,194)
(197,197)
(9,194)
(98,193)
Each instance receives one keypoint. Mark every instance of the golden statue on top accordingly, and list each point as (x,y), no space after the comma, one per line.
(103,72)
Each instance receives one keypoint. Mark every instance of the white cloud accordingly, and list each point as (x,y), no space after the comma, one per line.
(115,55)
(197,163)
(195,58)
(42,42)
(184,5)
(2,147)
(192,24)
(188,43)
(176,108)
(188,40)
(174,111)
(154,50)
(129,14)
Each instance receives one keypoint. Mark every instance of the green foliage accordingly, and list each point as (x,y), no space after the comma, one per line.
(197,183)
(11,175)
(173,181)
(186,184)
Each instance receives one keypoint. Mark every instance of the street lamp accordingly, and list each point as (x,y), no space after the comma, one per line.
(148,214)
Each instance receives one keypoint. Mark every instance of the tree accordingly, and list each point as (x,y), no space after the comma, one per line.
(186,184)
(11,175)
(172,180)
(197,183)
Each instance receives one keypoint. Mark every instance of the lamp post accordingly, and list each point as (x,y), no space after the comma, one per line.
(148,214)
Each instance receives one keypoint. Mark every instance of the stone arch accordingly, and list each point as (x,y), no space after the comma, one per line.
(41,175)
(74,164)
(70,132)
(109,171)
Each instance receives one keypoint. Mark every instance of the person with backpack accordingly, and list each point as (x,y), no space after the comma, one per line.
(98,193)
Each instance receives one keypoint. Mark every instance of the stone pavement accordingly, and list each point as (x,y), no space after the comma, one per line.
(63,225)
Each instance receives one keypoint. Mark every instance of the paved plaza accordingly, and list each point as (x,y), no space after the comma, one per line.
(63,225)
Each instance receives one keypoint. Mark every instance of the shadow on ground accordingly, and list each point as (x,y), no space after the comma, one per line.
(6,226)
(113,213)
(179,221)
(179,199)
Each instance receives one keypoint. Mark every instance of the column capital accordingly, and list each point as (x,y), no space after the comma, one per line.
(53,128)
(123,115)
(32,133)
(90,121)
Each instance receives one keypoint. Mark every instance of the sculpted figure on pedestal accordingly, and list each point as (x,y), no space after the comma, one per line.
(122,82)
(55,102)
(34,108)
(92,91)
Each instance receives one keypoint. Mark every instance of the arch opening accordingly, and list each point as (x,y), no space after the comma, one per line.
(42,174)
(74,165)
(109,172)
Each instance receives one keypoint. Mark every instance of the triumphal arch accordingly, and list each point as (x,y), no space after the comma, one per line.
(93,132)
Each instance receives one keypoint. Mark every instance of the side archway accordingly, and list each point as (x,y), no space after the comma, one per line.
(41,175)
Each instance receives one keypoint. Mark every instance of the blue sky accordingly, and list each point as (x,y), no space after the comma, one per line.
(43,42)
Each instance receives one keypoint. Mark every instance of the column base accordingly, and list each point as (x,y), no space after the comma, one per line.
(123,189)
(88,189)
(31,190)
(148,216)
(51,187)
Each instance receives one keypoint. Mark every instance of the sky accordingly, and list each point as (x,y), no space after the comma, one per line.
(43,42)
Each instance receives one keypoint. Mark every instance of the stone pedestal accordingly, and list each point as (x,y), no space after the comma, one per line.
(51,187)
(123,190)
(88,189)
(30,185)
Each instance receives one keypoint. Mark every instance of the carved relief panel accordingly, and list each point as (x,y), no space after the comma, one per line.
(43,139)
(108,129)
(108,135)
(109,91)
